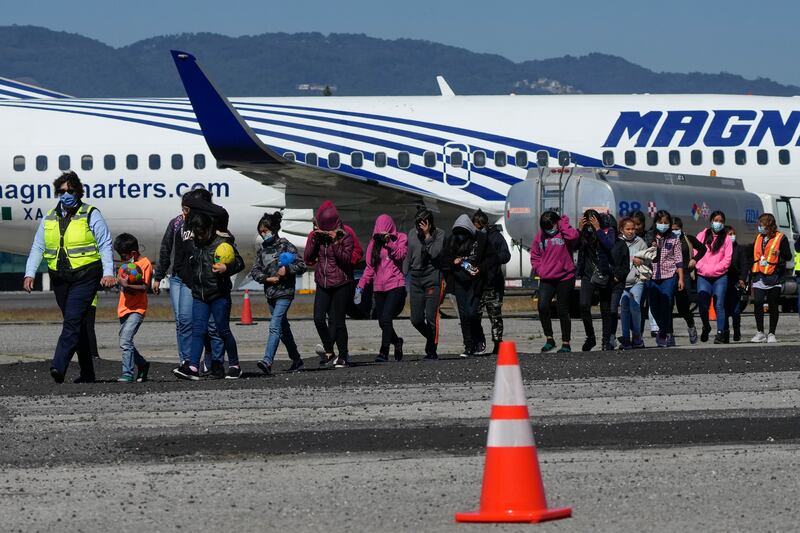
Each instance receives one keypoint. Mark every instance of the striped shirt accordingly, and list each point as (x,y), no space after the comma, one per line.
(670,258)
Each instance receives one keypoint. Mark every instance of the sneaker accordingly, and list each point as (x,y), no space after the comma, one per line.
(480,348)
(81,379)
(217,370)
(588,344)
(430,357)
(548,346)
(670,340)
(234,372)
(125,378)
(624,343)
(719,338)
(737,333)
(265,367)
(692,335)
(141,375)
(341,362)
(319,350)
(565,348)
(186,371)
(324,358)
(382,358)
(704,334)
(759,337)
(771,338)
(661,342)
(468,352)
(637,343)
(606,347)
(398,349)
(296,366)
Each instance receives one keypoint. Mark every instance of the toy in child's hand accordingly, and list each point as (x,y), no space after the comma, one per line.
(286,258)
(132,272)
(224,254)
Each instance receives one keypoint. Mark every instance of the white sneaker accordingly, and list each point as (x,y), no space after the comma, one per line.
(771,338)
(760,337)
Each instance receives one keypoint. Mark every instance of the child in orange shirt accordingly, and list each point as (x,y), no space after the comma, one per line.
(132,306)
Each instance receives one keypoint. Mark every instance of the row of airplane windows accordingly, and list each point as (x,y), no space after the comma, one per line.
(429,159)
(110,162)
(696,157)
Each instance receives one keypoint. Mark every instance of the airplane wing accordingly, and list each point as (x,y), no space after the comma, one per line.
(235,145)
(17,90)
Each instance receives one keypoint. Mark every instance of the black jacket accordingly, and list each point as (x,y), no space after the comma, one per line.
(495,277)
(206,284)
(479,253)
(699,249)
(740,264)
(266,266)
(176,248)
(621,261)
(599,254)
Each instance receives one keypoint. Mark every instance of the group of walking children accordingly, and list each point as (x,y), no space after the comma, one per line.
(636,273)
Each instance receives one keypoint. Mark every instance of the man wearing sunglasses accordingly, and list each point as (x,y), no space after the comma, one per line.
(75,241)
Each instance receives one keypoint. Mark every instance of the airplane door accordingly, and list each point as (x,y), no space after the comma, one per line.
(456,165)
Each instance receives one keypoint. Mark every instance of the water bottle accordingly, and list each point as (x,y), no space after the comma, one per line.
(466,265)
(357,296)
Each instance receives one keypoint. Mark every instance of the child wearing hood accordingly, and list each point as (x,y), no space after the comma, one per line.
(385,255)
(466,258)
(330,249)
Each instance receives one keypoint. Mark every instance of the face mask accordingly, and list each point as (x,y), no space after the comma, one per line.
(677,232)
(662,228)
(762,230)
(716,226)
(69,200)
(268,238)
(483,230)
(733,238)
(551,231)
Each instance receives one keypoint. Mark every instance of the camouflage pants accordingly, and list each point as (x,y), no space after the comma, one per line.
(492,301)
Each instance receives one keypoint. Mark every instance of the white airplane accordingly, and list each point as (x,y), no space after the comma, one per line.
(368,154)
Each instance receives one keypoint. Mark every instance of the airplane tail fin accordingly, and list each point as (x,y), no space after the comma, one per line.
(17,90)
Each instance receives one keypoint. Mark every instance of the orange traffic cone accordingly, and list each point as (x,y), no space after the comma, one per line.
(247,313)
(712,313)
(512,485)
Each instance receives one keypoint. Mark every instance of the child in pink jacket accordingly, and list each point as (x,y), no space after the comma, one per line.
(385,254)
(712,275)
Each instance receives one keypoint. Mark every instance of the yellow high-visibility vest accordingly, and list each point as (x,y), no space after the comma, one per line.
(78,242)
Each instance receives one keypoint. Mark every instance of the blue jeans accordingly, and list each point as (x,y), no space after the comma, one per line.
(660,295)
(280,330)
(181,297)
(705,288)
(631,310)
(128,326)
(220,310)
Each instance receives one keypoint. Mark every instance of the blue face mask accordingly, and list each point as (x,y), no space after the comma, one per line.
(68,200)
(732,237)
(268,238)
(762,230)
(551,231)
(716,226)
(677,232)
(662,228)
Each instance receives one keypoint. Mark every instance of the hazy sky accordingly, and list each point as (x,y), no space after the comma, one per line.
(748,38)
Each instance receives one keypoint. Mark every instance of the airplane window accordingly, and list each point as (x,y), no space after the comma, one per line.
(132,162)
(380,159)
(740,156)
(199,161)
(289,156)
(500,159)
(630,158)
(356,159)
(19,163)
(652,158)
(177,161)
(719,157)
(41,162)
(430,159)
(87,162)
(311,159)
(608,158)
(63,162)
(521,158)
(333,160)
(783,157)
(761,157)
(697,157)
(456,159)
(154,161)
(674,157)
(479,158)
(109,162)
(403,160)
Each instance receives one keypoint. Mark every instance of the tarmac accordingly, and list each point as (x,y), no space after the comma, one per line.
(702,437)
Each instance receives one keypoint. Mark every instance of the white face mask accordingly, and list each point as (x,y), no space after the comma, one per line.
(732,237)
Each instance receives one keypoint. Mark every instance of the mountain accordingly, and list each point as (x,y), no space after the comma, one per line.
(276,64)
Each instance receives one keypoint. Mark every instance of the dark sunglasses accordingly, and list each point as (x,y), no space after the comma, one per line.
(71,191)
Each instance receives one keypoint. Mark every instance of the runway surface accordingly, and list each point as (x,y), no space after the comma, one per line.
(697,438)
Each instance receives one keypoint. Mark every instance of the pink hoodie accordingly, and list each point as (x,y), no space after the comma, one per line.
(388,274)
(551,255)
(714,264)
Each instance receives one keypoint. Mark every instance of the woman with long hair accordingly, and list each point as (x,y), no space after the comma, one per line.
(668,275)
(595,270)
(712,275)
(771,251)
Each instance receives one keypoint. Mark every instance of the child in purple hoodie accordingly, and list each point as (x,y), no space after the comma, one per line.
(552,261)
(385,255)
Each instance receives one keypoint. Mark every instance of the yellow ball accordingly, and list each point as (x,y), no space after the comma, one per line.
(224,254)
